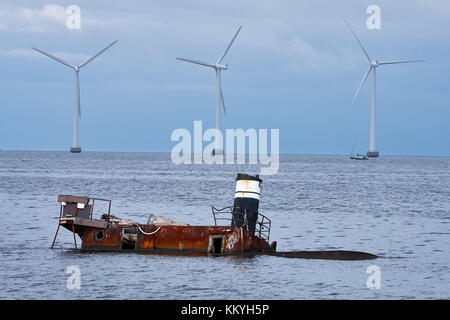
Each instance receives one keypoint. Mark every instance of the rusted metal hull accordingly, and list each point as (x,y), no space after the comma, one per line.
(248,234)
(160,235)
(203,240)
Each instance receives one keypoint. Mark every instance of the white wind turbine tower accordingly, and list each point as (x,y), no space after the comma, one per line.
(218,67)
(374,64)
(77,111)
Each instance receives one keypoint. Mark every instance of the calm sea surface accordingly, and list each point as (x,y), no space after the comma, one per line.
(395,207)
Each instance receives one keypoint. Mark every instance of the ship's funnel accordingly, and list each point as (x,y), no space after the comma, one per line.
(246,201)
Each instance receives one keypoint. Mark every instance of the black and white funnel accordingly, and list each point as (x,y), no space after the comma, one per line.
(246,201)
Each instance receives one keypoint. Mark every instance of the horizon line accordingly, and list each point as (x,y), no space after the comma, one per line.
(284,154)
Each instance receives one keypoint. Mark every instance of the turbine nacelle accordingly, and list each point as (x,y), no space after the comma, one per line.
(220,66)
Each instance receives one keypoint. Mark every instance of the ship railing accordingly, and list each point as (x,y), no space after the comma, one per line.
(103,200)
(263,223)
(90,214)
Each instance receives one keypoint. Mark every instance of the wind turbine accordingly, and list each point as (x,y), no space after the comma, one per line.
(77,111)
(218,67)
(374,64)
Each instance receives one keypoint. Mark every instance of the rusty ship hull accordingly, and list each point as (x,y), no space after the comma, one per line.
(238,230)
(196,240)
(162,235)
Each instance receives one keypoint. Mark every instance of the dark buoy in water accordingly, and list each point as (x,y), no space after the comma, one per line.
(246,201)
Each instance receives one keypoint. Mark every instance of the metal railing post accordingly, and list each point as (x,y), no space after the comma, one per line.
(92,208)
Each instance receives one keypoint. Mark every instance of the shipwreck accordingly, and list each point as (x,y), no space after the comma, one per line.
(238,230)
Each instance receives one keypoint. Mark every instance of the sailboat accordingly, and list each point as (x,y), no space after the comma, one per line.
(357,156)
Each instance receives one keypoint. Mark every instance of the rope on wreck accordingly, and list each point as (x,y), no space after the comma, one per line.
(148,233)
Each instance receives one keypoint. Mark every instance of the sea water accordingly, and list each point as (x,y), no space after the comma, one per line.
(394,207)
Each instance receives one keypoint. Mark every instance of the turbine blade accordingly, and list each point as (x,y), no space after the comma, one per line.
(219,88)
(223,102)
(229,46)
(405,61)
(360,86)
(54,58)
(96,55)
(197,62)
(360,44)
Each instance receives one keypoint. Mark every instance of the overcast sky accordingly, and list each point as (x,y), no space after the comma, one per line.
(295,66)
